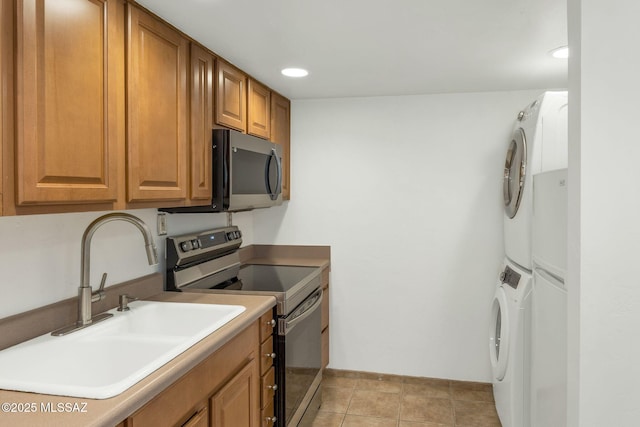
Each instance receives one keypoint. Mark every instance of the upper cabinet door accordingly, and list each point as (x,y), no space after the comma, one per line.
(281,134)
(259,110)
(231,96)
(201,122)
(69,77)
(157,109)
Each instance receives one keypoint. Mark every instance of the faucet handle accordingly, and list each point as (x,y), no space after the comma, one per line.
(99,294)
(102,282)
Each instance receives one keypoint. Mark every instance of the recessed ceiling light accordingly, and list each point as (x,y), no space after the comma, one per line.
(294,72)
(560,52)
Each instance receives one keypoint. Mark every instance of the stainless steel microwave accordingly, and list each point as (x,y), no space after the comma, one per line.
(247,174)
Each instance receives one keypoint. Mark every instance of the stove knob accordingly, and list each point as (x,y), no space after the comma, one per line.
(195,243)
(238,234)
(230,236)
(186,246)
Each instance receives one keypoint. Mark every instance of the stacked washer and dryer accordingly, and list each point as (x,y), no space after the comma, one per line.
(528,334)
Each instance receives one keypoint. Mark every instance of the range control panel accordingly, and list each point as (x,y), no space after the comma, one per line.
(510,277)
(209,240)
(189,248)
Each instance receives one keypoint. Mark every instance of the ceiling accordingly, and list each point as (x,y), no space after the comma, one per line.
(381,47)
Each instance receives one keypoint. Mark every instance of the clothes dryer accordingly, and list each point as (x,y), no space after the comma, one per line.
(509,345)
(539,143)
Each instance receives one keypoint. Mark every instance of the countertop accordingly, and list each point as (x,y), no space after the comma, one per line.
(306,256)
(49,410)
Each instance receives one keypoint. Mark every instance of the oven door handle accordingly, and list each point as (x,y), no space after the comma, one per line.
(286,325)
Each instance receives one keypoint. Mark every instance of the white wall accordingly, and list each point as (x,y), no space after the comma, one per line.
(407,191)
(40,254)
(604,289)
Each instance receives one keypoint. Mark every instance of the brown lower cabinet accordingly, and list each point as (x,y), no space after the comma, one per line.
(224,390)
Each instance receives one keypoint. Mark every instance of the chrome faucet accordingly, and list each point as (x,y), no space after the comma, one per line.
(86,295)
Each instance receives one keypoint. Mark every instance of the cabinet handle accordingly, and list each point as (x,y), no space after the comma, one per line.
(270,355)
(271,420)
(271,323)
(273,387)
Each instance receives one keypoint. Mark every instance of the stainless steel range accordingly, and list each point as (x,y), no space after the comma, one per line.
(209,261)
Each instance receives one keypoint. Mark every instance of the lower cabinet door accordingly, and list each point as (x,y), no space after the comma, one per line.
(237,403)
(199,419)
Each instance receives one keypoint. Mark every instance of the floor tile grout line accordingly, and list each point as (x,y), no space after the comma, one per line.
(344,416)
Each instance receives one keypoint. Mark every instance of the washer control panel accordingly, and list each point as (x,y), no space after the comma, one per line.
(510,277)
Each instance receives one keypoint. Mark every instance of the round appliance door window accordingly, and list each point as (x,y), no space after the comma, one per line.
(515,166)
(499,335)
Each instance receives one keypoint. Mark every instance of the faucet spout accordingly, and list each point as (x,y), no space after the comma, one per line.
(152,254)
(86,295)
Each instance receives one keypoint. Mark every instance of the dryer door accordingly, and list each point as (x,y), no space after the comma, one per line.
(499,335)
(515,167)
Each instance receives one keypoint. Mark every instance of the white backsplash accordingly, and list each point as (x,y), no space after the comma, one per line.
(40,254)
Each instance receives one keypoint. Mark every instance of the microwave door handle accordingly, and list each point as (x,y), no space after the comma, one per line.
(273,194)
(225,173)
(279,170)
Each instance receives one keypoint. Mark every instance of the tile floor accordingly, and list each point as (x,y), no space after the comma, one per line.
(358,399)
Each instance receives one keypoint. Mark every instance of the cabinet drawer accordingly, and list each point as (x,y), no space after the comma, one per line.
(267,418)
(266,355)
(266,326)
(268,386)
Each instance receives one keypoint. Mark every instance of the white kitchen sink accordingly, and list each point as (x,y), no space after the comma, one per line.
(105,359)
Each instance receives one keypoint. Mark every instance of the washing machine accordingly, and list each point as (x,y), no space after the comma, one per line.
(509,345)
(539,143)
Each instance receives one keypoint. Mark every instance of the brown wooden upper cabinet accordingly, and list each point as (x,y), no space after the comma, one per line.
(69,81)
(105,106)
(281,134)
(231,97)
(258,110)
(201,83)
(157,109)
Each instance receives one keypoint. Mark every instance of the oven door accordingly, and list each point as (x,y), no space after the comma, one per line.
(299,343)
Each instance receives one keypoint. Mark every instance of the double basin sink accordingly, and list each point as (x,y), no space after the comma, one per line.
(106,359)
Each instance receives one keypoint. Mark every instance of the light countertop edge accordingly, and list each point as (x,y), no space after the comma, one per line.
(109,412)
